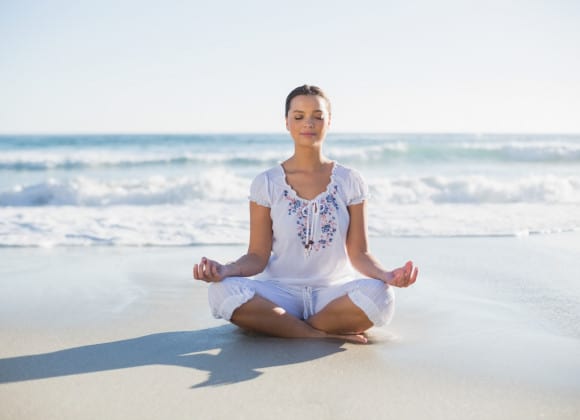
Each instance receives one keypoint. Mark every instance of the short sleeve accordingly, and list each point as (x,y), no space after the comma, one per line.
(260,191)
(357,188)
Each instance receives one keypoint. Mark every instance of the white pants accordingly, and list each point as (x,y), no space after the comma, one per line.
(373,297)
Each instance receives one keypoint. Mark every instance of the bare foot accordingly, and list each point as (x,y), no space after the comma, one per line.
(351,338)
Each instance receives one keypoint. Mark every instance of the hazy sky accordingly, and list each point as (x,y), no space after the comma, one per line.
(226,66)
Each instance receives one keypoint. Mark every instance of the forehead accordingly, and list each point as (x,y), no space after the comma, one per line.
(308,103)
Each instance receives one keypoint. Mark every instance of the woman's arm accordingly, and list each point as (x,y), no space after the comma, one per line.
(361,258)
(249,264)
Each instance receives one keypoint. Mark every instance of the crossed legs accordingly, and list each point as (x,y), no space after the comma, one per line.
(343,311)
(340,319)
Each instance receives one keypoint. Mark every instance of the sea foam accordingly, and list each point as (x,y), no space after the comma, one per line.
(155,190)
(363,150)
(222,186)
(120,190)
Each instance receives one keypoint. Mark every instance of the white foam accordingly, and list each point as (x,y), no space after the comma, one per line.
(210,185)
(40,160)
(163,190)
(477,189)
(212,222)
(449,220)
(366,153)
(529,150)
(244,153)
(212,208)
(220,185)
(199,223)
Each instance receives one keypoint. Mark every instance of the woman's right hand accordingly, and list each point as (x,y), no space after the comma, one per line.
(209,271)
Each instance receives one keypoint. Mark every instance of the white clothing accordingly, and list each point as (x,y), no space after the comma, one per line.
(309,236)
(309,265)
(373,297)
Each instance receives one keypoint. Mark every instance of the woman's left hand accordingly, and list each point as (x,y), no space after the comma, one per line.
(209,271)
(404,276)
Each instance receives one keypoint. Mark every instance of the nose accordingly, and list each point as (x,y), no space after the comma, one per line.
(309,122)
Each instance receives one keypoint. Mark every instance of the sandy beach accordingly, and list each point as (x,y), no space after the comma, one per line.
(491,330)
(134,137)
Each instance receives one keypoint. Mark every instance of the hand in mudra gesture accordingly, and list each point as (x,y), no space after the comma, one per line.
(209,271)
(403,276)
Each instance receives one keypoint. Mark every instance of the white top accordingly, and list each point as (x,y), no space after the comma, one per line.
(309,236)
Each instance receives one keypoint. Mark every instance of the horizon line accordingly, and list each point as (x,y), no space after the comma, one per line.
(209,133)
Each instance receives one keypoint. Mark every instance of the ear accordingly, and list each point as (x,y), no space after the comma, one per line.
(286,119)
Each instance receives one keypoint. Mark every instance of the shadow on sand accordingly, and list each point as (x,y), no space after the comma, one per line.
(239,356)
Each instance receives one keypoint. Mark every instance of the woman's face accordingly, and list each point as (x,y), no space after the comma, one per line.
(308,119)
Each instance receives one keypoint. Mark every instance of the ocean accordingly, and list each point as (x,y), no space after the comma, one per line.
(188,190)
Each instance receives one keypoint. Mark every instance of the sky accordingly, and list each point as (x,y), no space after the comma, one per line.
(142,66)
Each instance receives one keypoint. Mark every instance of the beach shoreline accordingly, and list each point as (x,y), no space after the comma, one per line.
(489,331)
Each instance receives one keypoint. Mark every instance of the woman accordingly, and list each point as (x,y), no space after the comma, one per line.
(307,233)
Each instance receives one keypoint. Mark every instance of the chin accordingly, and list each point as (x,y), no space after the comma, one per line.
(310,142)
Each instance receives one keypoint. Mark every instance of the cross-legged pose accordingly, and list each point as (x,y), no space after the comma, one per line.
(308,271)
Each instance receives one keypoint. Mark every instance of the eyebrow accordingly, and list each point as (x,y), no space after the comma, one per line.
(302,112)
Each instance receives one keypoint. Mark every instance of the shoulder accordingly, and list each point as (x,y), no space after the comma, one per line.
(352,183)
(273,175)
(347,174)
(270,173)
(264,186)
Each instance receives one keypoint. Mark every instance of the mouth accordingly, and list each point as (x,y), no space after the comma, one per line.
(307,134)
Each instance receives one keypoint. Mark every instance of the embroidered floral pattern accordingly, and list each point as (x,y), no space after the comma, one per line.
(327,207)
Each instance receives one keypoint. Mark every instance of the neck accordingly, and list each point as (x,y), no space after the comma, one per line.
(310,159)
